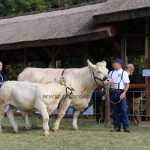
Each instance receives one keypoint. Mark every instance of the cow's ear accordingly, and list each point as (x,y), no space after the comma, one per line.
(104,63)
(91,66)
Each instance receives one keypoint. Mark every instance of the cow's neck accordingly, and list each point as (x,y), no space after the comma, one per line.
(84,81)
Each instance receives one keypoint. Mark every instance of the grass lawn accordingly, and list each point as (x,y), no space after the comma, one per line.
(91,136)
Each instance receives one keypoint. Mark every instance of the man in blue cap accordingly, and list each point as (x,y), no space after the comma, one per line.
(119,87)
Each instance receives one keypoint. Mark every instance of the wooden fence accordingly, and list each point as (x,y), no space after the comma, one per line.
(146,87)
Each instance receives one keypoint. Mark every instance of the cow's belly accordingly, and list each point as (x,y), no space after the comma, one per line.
(79,104)
(26,106)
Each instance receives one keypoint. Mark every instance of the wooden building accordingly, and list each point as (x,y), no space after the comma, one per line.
(92,30)
(104,28)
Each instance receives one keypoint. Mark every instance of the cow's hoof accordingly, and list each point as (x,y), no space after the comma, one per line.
(16,131)
(54,130)
(75,128)
(34,127)
(28,129)
(46,134)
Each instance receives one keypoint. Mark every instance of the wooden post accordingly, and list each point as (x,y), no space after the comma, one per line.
(107,106)
(147,64)
(25,58)
(123,51)
(53,57)
(86,47)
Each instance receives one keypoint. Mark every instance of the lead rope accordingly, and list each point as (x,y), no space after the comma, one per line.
(107,94)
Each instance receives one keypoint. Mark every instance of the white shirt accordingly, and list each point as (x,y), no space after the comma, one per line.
(117,82)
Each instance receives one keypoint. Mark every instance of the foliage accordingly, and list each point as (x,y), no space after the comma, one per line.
(22,6)
(70,64)
(9,7)
(138,62)
(12,71)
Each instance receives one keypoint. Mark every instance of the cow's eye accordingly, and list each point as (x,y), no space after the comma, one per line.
(99,72)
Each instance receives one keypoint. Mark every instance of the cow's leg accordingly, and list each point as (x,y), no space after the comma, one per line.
(2,112)
(64,104)
(26,121)
(33,118)
(10,113)
(45,117)
(75,117)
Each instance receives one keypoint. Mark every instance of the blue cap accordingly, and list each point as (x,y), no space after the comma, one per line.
(118,61)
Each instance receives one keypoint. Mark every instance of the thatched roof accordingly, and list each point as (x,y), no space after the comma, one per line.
(52,28)
(118,10)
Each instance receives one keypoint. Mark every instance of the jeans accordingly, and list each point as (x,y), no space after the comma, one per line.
(119,110)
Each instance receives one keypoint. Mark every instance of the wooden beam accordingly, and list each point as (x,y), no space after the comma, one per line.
(147,63)
(58,50)
(91,52)
(139,85)
(48,51)
(25,58)
(105,52)
(10,54)
(142,86)
(22,53)
(115,43)
(107,107)
(137,35)
(86,53)
(46,63)
(123,51)
(53,57)
(71,52)
(4,54)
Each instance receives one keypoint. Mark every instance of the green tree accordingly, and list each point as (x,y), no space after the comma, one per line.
(21,6)
(5,8)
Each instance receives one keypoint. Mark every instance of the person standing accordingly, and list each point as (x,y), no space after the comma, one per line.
(99,104)
(118,89)
(2,76)
(133,96)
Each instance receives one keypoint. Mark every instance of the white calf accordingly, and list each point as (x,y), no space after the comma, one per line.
(27,96)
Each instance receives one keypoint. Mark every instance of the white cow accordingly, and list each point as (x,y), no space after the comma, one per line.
(27,96)
(83,80)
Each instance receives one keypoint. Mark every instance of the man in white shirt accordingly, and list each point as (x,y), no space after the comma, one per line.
(118,89)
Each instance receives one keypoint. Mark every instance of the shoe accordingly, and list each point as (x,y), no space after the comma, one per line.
(127,130)
(115,130)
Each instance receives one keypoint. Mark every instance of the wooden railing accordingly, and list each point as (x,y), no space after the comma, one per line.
(146,87)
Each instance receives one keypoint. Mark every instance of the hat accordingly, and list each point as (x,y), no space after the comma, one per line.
(118,61)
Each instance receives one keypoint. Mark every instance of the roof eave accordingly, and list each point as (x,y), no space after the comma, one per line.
(76,39)
(122,15)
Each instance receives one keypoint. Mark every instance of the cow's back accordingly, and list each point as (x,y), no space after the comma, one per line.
(39,75)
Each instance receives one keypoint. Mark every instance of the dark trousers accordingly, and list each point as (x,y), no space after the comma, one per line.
(119,110)
(134,109)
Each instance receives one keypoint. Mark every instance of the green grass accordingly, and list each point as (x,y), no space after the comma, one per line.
(91,136)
